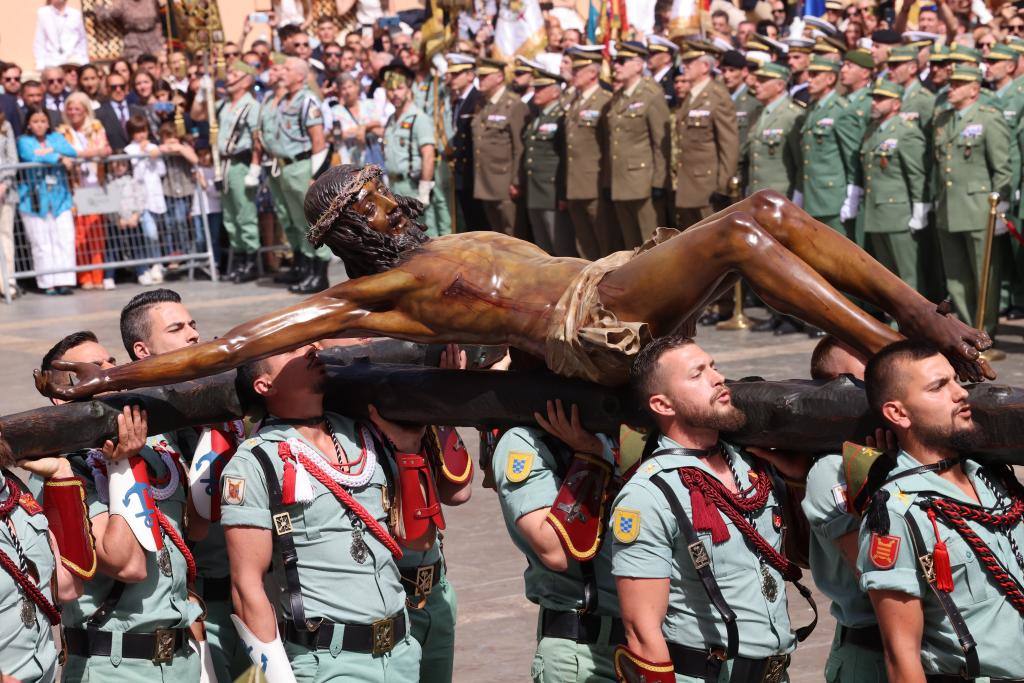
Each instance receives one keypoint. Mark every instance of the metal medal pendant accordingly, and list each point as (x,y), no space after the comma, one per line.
(163,561)
(769,586)
(884,163)
(28,613)
(360,551)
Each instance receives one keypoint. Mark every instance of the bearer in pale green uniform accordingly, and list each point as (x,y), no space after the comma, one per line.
(237,120)
(145,607)
(894,181)
(410,152)
(527,477)
(349,583)
(291,131)
(431,95)
(830,143)
(971,160)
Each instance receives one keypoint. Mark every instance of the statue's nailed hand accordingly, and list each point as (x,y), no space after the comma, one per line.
(70,380)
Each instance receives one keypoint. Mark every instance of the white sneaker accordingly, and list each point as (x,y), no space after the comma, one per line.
(146,278)
(108,284)
(157,273)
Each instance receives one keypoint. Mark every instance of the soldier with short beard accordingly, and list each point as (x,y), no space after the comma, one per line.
(698,529)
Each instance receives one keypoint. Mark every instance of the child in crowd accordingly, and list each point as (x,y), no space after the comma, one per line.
(148,173)
(178,187)
(124,231)
(207,200)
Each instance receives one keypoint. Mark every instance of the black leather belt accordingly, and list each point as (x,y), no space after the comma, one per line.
(957,678)
(158,647)
(401,176)
(242,157)
(867,637)
(284,161)
(707,665)
(579,626)
(377,638)
(216,590)
(420,581)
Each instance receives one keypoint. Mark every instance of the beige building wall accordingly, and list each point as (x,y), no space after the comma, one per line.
(18,26)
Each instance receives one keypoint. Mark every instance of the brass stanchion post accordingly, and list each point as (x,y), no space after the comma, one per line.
(739,319)
(986,265)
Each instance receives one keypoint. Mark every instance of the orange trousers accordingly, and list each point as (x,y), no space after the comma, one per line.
(90,241)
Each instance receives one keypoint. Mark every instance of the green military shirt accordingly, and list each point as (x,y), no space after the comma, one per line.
(858,117)
(158,601)
(543,165)
(424,94)
(334,586)
(403,137)
(773,148)
(825,506)
(236,123)
(889,562)
(1010,101)
(526,478)
(918,105)
(26,653)
(747,110)
(971,159)
(284,127)
(893,174)
(649,545)
(830,141)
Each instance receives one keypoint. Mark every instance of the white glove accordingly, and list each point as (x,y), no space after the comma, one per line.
(1001,227)
(798,198)
(851,206)
(317,160)
(423,191)
(252,178)
(919,215)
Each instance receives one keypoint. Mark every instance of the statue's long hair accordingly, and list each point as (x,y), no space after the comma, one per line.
(348,234)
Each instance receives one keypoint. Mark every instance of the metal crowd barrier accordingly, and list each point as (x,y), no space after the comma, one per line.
(112,229)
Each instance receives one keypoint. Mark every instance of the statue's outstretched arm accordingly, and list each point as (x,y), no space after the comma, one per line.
(343,308)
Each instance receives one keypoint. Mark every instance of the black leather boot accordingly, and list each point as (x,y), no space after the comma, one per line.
(296,274)
(248,272)
(317,280)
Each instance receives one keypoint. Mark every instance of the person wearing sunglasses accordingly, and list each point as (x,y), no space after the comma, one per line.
(115,112)
(10,78)
(56,89)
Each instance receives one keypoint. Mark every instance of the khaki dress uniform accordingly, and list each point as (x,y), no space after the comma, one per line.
(708,151)
(640,148)
(497,155)
(587,174)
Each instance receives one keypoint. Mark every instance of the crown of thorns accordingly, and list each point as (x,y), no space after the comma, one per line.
(352,192)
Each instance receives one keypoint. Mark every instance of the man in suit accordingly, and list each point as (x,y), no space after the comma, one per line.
(639,143)
(32,98)
(708,147)
(498,148)
(466,101)
(661,63)
(115,112)
(586,157)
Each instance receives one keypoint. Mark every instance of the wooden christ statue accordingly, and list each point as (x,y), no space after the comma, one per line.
(584,319)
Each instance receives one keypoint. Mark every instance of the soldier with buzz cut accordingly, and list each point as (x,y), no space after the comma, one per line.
(498,148)
(639,142)
(893,175)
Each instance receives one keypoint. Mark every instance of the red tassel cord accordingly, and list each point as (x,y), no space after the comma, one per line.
(940,559)
(25,582)
(179,543)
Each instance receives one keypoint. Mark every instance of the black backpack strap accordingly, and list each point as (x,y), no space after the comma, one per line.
(282,522)
(972,667)
(107,607)
(702,564)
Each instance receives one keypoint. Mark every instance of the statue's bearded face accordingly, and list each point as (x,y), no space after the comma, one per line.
(378,207)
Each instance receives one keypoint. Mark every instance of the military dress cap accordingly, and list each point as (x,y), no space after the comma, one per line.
(630,48)
(694,48)
(860,57)
(827,45)
(799,44)
(756,42)
(823,64)
(900,54)
(1001,52)
(458,62)
(584,55)
(920,38)
(734,59)
(826,27)
(239,65)
(777,47)
(964,53)
(966,72)
(835,5)
(543,78)
(885,36)
(486,66)
(757,58)
(396,74)
(773,70)
(524,66)
(940,54)
(1016,44)
(278,57)
(657,44)
(883,87)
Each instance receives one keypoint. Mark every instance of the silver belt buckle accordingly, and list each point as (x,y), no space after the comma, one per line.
(163,647)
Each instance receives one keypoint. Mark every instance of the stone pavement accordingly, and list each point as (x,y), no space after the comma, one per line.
(496,624)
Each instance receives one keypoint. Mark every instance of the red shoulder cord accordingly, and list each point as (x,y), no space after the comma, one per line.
(178,542)
(957,515)
(24,581)
(709,497)
(346,499)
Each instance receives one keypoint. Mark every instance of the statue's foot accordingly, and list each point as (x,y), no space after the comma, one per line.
(961,344)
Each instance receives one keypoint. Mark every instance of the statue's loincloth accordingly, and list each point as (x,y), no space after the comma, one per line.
(585,339)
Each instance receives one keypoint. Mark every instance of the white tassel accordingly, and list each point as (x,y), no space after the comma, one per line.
(303,487)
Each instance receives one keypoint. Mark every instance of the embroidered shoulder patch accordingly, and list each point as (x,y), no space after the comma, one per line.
(233,492)
(518,466)
(839,496)
(29,504)
(626,525)
(884,550)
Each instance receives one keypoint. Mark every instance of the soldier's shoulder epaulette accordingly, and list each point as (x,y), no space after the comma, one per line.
(989,109)
(798,105)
